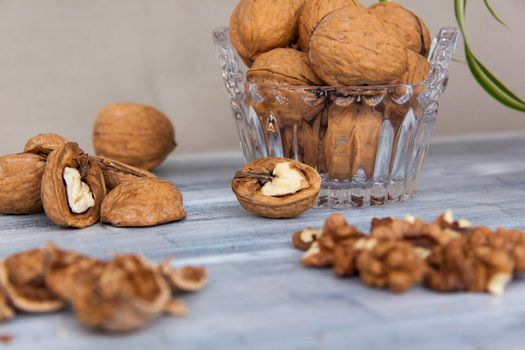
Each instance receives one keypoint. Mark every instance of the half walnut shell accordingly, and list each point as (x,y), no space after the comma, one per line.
(44,144)
(22,281)
(248,185)
(116,172)
(141,203)
(186,279)
(57,195)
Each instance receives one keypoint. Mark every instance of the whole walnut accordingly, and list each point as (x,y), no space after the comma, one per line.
(258,26)
(313,11)
(20,182)
(351,141)
(134,134)
(412,29)
(352,46)
(274,72)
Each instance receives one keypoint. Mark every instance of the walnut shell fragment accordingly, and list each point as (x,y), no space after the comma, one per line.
(22,281)
(258,26)
(411,28)
(351,46)
(141,203)
(6,312)
(60,197)
(186,279)
(44,144)
(312,13)
(116,172)
(273,72)
(134,134)
(118,296)
(20,183)
(300,184)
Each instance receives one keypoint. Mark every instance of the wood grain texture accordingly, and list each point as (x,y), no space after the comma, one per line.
(259,297)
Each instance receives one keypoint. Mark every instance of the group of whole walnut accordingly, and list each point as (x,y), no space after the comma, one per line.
(447,255)
(116,187)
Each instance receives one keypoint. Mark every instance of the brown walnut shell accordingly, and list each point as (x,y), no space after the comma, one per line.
(141,203)
(273,72)
(351,141)
(116,172)
(20,182)
(412,29)
(313,11)
(258,26)
(22,280)
(351,46)
(117,296)
(134,134)
(248,190)
(54,192)
(186,279)
(44,144)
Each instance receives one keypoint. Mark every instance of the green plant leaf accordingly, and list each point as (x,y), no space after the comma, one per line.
(484,77)
(493,13)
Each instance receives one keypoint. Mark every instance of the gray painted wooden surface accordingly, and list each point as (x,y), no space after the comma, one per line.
(260,297)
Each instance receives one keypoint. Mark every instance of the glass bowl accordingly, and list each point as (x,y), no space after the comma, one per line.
(367,142)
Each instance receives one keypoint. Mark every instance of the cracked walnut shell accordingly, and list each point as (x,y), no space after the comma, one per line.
(22,281)
(300,188)
(20,183)
(258,26)
(390,264)
(141,203)
(312,13)
(44,144)
(117,296)
(186,279)
(60,197)
(351,46)
(135,134)
(411,28)
(116,172)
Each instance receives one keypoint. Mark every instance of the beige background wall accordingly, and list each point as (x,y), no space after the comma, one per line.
(62,60)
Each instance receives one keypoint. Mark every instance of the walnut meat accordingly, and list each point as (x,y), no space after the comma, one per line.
(72,187)
(313,11)
(476,262)
(134,134)
(390,264)
(304,239)
(20,182)
(44,144)
(412,29)
(277,187)
(351,46)
(273,72)
(258,26)
(22,280)
(116,172)
(141,203)
(351,141)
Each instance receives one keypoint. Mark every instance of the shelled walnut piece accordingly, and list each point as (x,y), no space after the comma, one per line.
(120,295)
(449,255)
(277,187)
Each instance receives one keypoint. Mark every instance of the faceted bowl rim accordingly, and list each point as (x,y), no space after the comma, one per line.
(222,34)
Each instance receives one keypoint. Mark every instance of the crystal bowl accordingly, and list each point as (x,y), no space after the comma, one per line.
(367,142)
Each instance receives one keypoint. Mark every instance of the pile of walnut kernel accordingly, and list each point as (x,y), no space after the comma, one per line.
(120,295)
(447,255)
